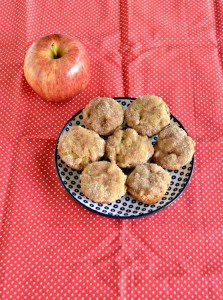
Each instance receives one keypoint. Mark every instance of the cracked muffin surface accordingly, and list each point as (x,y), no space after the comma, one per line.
(174,148)
(79,146)
(148,183)
(128,149)
(103,115)
(103,182)
(148,115)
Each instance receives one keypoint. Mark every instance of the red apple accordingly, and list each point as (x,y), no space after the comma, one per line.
(56,66)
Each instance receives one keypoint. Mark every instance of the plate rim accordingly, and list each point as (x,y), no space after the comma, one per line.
(114,216)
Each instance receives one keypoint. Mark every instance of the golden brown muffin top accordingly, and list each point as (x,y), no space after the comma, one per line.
(174,148)
(148,181)
(103,182)
(103,115)
(80,146)
(128,149)
(147,115)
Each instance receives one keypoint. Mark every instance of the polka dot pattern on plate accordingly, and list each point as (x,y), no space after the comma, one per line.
(126,207)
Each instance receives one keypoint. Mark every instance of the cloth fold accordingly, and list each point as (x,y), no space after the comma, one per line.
(53,248)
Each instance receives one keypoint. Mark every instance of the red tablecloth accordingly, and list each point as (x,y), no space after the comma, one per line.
(51,247)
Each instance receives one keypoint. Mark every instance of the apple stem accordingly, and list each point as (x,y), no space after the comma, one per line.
(54,50)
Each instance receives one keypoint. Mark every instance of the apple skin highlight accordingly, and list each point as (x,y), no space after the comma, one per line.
(57,67)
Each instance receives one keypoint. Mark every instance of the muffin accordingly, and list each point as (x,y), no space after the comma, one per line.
(148,115)
(128,149)
(103,115)
(103,182)
(79,147)
(148,183)
(174,148)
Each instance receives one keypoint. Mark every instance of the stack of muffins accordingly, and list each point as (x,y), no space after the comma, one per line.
(124,150)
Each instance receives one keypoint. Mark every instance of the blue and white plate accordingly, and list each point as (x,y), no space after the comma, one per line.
(126,207)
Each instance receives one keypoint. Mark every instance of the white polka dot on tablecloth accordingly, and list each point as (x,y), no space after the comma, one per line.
(51,247)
